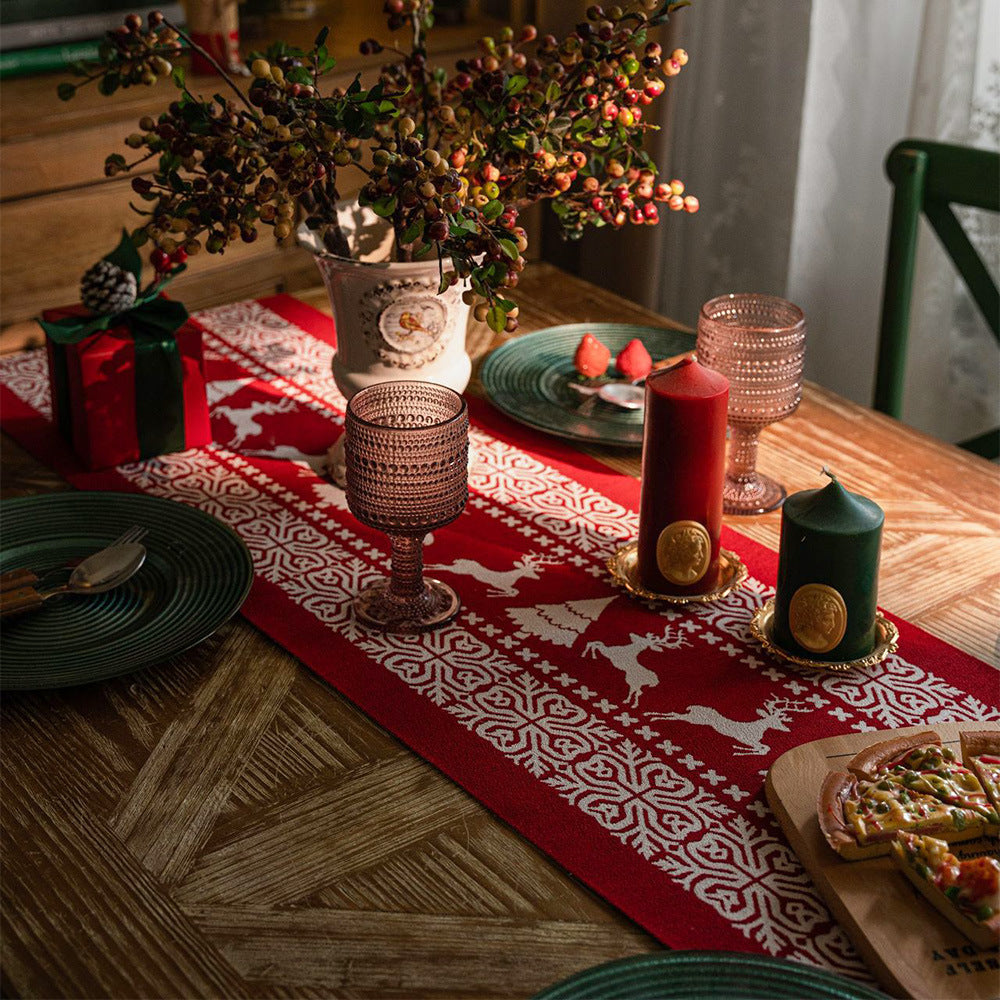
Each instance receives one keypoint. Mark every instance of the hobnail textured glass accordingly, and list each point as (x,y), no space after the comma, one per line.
(407,447)
(758,343)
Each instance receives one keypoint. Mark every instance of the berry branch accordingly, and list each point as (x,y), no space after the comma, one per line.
(455,155)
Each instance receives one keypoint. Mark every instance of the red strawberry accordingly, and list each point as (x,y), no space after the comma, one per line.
(592,357)
(634,361)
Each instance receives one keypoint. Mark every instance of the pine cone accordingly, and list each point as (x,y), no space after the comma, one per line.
(107,289)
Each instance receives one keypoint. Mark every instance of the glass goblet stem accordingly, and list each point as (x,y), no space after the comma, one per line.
(407,577)
(743,443)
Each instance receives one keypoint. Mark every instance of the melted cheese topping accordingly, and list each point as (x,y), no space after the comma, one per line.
(925,789)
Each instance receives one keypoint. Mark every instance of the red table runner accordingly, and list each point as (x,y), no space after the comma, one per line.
(629,743)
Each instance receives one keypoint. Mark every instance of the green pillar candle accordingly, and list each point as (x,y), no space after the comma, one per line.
(824,608)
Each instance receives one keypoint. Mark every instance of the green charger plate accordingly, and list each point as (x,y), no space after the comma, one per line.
(706,975)
(196,575)
(528,378)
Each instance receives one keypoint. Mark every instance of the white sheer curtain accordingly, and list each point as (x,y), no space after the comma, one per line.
(952,387)
(780,124)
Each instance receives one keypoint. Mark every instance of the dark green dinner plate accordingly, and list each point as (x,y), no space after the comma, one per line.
(706,975)
(196,575)
(528,378)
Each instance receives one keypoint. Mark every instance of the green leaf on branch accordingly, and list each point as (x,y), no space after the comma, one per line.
(384,206)
(177,75)
(66,91)
(552,92)
(493,209)
(321,37)
(560,124)
(496,318)
(495,273)
(412,232)
(109,84)
(126,256)
(509,247)
(515,85)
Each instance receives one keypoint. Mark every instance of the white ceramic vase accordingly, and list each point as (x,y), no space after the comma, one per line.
(392,323)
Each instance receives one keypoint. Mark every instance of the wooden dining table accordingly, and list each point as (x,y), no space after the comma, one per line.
(118,798)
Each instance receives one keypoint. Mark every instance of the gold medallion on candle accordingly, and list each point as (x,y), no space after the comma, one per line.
(683,552)
(817,617)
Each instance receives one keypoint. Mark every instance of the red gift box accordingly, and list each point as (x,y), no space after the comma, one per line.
(105,410)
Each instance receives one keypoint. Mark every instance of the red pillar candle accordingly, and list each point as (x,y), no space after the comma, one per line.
(683,466)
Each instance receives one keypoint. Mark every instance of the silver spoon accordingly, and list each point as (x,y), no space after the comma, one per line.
(627,395)
(98,573)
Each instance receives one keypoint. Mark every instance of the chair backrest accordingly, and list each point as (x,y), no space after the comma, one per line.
(928,178)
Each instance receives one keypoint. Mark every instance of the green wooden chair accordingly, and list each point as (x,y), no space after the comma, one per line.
(930,177)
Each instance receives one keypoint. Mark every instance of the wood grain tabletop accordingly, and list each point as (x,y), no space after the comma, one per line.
(225,824)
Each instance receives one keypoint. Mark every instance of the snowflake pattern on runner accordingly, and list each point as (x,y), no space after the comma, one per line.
(531,697)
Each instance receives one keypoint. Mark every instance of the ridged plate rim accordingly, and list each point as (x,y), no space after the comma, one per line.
(197,574)
(706,975)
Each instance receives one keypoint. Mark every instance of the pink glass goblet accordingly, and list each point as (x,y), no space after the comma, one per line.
(758,343)
(407,447)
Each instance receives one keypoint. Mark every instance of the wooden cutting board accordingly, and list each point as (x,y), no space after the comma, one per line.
(910,948)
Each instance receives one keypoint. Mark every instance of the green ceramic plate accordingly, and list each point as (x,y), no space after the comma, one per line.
(706,975)
(196,575)
(528,378)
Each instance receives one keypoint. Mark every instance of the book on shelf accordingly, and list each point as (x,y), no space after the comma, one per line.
(36,38)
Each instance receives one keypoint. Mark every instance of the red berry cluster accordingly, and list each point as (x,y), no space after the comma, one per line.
(532,118)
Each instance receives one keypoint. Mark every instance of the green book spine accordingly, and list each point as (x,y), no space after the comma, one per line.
(46,58)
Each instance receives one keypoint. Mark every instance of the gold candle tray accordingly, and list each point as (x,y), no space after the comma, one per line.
(886,642)
(624,569)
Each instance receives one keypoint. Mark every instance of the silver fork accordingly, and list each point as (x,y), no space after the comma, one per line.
(134,534)
(13,579)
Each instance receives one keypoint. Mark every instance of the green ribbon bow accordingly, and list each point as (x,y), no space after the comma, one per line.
(153,322)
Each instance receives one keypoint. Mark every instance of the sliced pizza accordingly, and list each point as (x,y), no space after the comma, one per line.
(966,892)
(911,784)
(922,765)
(981,754)
(860,818)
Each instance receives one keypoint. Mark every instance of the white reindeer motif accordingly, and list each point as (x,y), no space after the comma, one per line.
(626,659)
(749,735)
(503,583)
(244,420)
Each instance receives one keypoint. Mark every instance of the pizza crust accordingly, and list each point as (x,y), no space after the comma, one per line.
(868,762)
(837,788)
(983,935)
(975,744)
(978,742)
